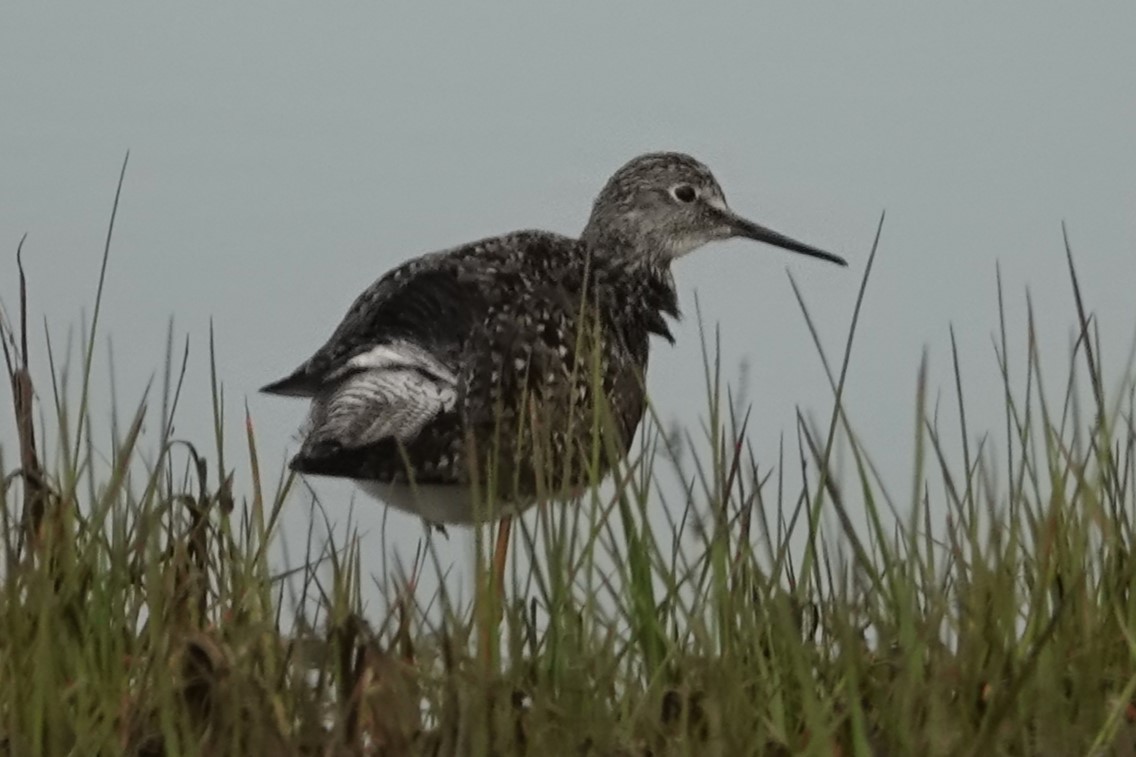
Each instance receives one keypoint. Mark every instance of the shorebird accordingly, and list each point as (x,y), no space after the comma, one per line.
(465,385)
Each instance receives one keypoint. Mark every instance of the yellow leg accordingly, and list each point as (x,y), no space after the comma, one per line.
(500,555)
(495,596)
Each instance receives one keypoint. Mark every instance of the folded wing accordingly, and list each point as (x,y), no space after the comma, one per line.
(388,389)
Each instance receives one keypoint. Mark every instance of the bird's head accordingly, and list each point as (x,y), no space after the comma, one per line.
(666,204)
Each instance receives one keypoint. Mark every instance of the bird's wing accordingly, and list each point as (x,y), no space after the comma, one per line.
(390,374)
(417,312)
(432,302)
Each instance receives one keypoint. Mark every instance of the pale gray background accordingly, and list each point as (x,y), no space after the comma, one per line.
(283,155)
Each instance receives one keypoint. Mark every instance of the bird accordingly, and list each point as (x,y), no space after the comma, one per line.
(465,385)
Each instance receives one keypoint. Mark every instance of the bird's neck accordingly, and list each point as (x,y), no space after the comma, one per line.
(624,241)
(636,290)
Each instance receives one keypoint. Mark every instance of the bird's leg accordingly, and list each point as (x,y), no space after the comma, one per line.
(500,555)
(494,596)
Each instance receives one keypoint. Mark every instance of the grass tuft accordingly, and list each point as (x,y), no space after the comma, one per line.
(992,613)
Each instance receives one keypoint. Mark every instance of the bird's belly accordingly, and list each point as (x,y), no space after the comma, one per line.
(440,503)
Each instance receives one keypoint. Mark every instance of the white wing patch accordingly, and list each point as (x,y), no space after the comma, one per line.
(402,354)
(393,390)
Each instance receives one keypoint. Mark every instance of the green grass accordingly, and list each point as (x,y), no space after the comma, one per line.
(139,611)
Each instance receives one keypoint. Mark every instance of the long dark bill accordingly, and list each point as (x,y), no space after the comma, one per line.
(745,228)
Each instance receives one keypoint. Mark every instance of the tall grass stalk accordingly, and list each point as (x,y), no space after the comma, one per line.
(994,612)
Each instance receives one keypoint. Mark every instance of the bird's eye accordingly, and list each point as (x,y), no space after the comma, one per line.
(684,193)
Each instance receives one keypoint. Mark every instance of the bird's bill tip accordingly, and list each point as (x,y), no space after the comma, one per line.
(743,227)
